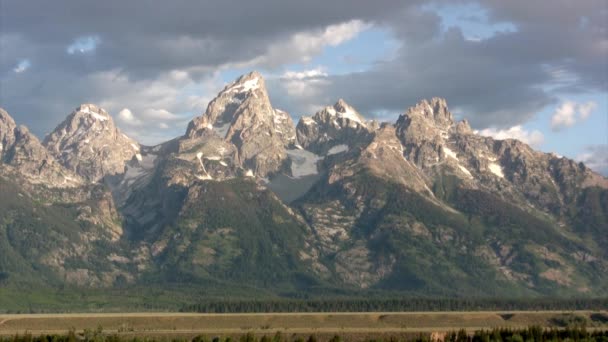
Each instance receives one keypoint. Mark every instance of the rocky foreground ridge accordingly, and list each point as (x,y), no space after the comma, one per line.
(245,197)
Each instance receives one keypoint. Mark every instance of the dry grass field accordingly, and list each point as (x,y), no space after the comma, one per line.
(304,324)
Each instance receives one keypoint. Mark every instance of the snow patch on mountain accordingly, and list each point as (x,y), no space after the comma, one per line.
(450,153)
(350,114)
(246,86)
(496,169)
(303,163)
(87,110)
(465,171)
(337,149)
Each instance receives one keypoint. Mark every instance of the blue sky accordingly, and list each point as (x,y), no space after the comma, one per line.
(519,69)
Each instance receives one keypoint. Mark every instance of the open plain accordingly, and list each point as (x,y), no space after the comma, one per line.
(355,325)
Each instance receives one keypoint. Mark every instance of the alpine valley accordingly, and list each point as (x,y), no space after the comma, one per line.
(248,204)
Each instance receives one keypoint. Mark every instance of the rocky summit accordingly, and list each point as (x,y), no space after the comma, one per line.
(88,143)
(246,202)
(243,115)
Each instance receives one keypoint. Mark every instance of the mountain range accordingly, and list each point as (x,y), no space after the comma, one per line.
(246,202)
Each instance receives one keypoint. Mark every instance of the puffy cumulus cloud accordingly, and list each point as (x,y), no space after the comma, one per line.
(304,83)
(150,111)
(302,46)
(534,137)
(300,91)
(126,116)
(596,158)
(569,113)
(564,116)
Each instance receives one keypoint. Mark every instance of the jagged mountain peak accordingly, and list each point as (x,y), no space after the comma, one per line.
(331,126)
(89,115)
(249,82)
(88,143)
(343,110)
(26,157)
(94,111)
(435,111)
(242,115)
(247,91)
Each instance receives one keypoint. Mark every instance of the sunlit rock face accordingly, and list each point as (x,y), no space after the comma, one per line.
(88,143)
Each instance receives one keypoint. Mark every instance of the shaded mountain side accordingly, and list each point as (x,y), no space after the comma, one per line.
(486,247)
(589,216)
(55,244)
(234,231)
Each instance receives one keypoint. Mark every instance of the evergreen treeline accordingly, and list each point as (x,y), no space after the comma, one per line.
(396,305)
(531,334)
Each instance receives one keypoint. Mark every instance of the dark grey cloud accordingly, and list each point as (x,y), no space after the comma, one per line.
(148,37)
(159,55)
(499,81)
(142,43)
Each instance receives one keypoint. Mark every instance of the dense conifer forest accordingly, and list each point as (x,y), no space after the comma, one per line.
(396,305)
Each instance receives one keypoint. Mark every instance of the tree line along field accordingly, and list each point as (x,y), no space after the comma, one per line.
(354,326)
(529,334)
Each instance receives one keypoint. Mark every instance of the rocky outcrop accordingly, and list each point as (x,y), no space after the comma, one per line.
(339,124)
(88,143)
(21,150)
(242,115)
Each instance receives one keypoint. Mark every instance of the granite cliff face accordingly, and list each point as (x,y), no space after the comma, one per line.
(242,115)
(332,126)
(23,153)
(246,197)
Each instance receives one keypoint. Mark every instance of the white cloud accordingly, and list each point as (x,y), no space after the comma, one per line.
(126,116)
(153,111)
(305,89)
(159,114)
(298,75)
(570,112)
(534,138)
(83,45)
(586,109)
(22,66)
(302,46)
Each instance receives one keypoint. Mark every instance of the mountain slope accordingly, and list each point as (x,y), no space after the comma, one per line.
(447,205)
(247,202)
